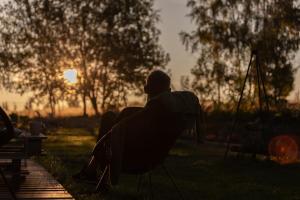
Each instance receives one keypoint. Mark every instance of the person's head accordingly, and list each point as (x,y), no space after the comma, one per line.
(157,82)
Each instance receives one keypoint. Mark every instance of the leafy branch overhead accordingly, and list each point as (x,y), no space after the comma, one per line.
(226,32)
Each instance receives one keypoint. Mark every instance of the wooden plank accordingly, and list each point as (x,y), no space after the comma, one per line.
(4,193)
(38,185)
(12,155)
(44,195)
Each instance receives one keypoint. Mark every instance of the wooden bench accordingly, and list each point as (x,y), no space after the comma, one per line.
(38,185)
(22,148)
(33,181)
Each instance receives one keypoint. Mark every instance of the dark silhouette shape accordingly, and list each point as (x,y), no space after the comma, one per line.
(157,83)
(6,134)
(139,139)
(263,109)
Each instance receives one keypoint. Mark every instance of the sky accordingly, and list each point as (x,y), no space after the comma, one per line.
(173,20)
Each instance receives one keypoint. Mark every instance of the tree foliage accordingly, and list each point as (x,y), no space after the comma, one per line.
(30,50)
(116,44)
(113,44)
(226,33)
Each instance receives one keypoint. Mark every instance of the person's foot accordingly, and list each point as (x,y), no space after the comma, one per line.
(84,177)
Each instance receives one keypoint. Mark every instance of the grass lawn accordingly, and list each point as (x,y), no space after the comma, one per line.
(199,171)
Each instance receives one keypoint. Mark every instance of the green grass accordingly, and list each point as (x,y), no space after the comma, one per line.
(200,172)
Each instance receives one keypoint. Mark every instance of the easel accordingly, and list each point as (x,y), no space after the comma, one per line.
(261,94)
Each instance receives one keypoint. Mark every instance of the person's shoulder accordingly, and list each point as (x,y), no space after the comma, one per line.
(185,94)
(162,96)
(164,100)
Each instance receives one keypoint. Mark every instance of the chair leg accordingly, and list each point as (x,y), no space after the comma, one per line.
(173,182)
(8,185)
(104,175)
(139,184)
(142,184)
(150,185)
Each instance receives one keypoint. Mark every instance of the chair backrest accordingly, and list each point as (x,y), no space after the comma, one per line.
(160,146)
(152,149)
(142,141)
(7,134)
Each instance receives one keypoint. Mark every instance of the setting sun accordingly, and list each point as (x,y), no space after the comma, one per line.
(70,75)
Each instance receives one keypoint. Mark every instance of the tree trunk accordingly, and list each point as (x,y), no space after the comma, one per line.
(52,104)
(219,96)
(84,103)
(85,77)
(94,105)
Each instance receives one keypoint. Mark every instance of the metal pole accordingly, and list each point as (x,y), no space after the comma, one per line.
(263,83)
(265,140)
(258,84)
(151,186)
(238,106)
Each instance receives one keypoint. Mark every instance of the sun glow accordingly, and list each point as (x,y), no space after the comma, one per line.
(70,75)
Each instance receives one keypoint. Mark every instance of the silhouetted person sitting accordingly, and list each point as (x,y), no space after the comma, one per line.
(131,141)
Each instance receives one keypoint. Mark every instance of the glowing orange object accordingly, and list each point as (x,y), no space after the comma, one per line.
(284,149)
(70,75)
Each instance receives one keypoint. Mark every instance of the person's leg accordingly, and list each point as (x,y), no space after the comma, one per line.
(102,151)
(89,171)
(98,159)
(102,158)
(108,120)
(127,112)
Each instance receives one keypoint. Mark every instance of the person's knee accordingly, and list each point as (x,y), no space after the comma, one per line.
(128,111)
(99,150)
(108,116)
(108,120)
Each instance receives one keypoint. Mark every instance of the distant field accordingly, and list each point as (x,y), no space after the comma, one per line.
(200,172)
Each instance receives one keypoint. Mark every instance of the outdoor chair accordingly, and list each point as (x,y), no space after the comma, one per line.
(152,151)
(6,134)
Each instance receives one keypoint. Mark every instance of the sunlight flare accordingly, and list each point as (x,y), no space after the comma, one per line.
(284,149)
(70,76)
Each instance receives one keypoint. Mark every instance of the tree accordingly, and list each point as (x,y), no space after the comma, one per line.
(30,49)
(227,32)
(116,44)
(113,44)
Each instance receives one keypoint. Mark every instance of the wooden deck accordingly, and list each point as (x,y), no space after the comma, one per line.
(38,184)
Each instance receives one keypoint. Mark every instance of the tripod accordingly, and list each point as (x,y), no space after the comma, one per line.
(261,94)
